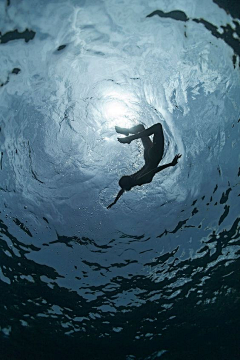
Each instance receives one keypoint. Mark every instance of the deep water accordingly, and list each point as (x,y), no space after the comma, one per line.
(157,276)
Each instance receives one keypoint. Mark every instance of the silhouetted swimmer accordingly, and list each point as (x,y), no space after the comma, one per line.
(153,153)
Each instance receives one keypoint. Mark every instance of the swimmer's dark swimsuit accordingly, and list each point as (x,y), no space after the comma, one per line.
(152,157)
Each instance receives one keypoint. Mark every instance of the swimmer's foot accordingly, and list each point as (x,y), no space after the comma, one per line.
(121,130)
(126,140)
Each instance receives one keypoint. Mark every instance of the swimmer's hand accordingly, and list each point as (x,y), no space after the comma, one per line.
(109,206)
(175,160)
(117,197)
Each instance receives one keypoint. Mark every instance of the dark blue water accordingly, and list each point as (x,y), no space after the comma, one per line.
(157,275)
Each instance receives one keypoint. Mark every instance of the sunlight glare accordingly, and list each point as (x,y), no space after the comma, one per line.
(118,110)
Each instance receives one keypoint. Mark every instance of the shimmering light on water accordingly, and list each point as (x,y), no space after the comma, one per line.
(156,276)
(119,109)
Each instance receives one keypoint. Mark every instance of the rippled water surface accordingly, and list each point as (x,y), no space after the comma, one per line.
(157,275)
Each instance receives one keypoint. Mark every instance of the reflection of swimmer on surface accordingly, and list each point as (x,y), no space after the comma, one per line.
(153,153)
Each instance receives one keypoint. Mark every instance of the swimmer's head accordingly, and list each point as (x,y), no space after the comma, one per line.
(125,183)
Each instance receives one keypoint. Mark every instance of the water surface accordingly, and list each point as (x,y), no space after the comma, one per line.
(157,275)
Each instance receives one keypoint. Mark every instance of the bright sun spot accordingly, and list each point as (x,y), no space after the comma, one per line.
(118,110)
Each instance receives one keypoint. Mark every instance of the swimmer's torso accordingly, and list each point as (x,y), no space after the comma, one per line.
(152,158)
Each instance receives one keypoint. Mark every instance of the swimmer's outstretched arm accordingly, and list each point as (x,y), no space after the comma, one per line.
(118,196)
(159,168)
(173,163)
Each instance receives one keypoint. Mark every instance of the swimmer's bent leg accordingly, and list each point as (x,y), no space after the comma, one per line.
(138,129)
(133,130)
(153,130)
